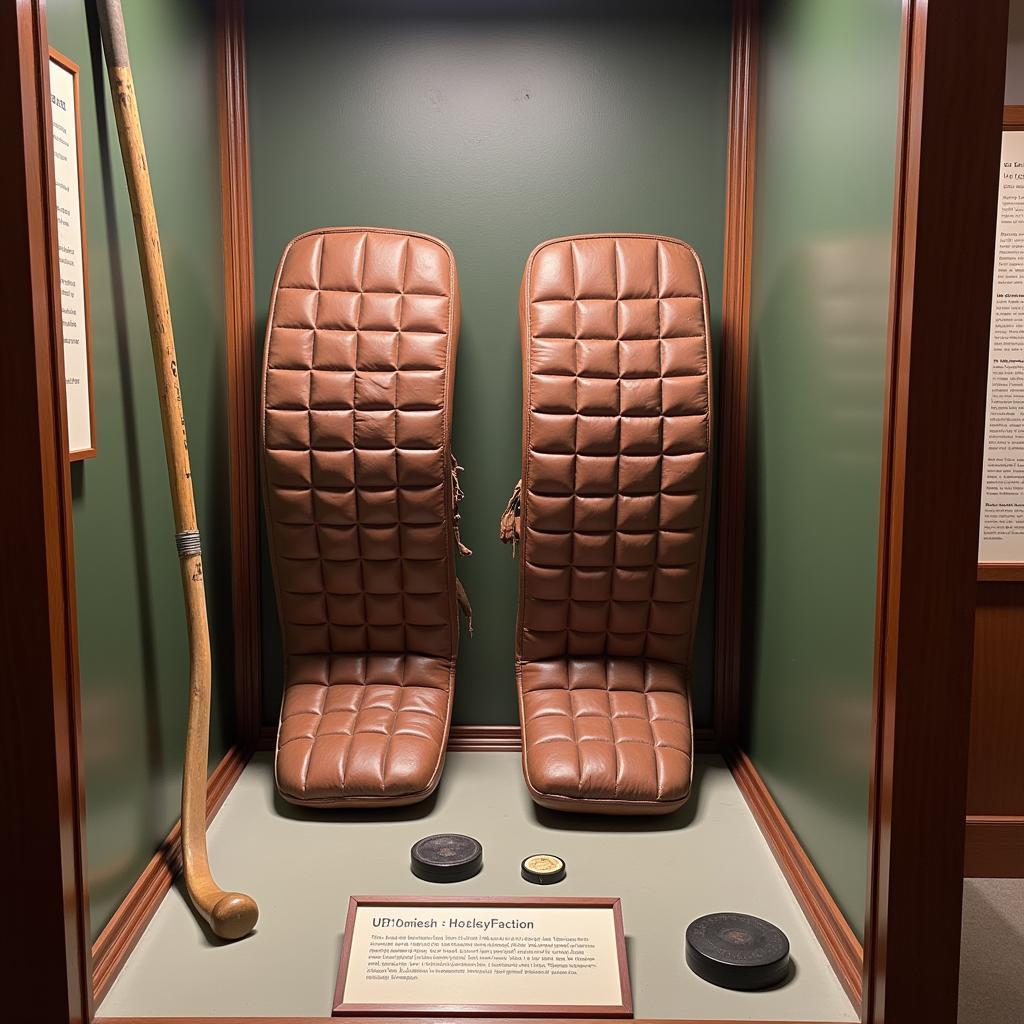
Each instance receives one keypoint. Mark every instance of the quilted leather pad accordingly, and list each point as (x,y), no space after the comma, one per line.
(614,517)
(358,375)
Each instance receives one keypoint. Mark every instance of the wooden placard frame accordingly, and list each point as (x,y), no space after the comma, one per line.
(72,69)
(623,1009)
(1005,572)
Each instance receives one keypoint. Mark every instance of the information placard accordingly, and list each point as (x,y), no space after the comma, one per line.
(484,956)
(71,259)
(1001,536)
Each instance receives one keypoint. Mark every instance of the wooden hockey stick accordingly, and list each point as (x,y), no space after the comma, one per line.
(231,915)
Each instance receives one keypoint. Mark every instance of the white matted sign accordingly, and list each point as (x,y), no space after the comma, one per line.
(484,956)
(71,257)
(1001,538)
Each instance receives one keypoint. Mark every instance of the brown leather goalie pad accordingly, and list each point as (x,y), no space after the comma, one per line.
(613,516)
(359,486)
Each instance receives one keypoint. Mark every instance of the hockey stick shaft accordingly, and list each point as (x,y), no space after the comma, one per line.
(231,915)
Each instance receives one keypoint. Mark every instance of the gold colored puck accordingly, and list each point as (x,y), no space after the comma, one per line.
(543,869)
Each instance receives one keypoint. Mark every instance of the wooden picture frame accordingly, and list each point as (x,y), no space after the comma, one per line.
(1005,572)
(88,451)
(613,905)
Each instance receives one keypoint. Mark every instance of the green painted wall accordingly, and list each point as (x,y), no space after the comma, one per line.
(494,126)
(132,644)
(824,191)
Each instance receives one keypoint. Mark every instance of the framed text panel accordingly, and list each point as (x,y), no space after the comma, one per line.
(1001,531)
(71,255)
(483,957)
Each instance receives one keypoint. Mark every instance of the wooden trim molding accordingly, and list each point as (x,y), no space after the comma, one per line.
(507,738)
(115,943)
(427,1020)
(46,964)
(841,946)
(1013,116)
(732,416)
(706,741)
(994,846)
(485,737)
(1000,572)
(242,363)
(943,246)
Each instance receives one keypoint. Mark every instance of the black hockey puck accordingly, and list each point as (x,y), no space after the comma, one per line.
(737,951)
(543,869)
(447,858)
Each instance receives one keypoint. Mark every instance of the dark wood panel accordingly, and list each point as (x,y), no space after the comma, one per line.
(734,359)
(1013,115)
(951,104)
(841,946)
(996,777)
(1000,572)
(46,899)
(115,943)
(242,364)
(994,846)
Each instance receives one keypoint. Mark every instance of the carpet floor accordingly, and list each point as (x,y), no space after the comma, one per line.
(992,954)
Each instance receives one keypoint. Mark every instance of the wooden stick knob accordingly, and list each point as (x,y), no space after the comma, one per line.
(234,915)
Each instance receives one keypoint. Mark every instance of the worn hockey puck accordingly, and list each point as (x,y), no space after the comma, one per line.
(737,951)
(543,869)
(447,858)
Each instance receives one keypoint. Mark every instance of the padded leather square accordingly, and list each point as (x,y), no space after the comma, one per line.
(605,734)
(358,372)
(614,503)
(374,729)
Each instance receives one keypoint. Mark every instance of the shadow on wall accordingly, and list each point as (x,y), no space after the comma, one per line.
(105,713)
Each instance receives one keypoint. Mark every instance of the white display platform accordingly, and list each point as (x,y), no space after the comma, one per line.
(302,866)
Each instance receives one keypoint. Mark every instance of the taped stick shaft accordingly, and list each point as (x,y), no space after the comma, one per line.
(231,915)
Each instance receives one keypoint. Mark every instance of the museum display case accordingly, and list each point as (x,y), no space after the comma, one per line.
(714,308)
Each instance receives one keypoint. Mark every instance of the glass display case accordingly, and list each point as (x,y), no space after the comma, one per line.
(845,229)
